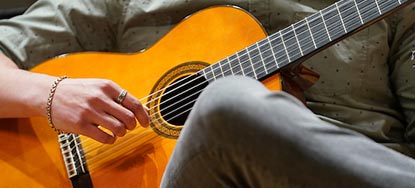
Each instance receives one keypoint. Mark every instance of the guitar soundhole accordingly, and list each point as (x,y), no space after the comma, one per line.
(179,98)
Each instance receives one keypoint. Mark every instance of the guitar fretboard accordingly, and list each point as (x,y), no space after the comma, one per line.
(302,38)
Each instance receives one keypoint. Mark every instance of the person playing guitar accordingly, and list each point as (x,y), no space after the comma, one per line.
(95,94)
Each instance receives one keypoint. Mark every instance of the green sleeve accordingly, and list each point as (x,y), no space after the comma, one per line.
(53,27)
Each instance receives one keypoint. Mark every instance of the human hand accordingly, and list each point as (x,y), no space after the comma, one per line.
(82,106)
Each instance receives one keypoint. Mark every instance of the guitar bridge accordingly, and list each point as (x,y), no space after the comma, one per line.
(74,159)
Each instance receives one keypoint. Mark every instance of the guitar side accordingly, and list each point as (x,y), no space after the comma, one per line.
(29,151)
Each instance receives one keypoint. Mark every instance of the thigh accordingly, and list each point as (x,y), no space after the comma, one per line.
(239,134)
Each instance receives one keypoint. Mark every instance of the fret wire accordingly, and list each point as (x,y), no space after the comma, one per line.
(213,73)
(256,60)
(225,67)
(296,38)
(318,30)
(290,42)
(358,11)
(277,45)
(200,73)
(207,75)
(311,34)
(230,65)
(265,49)
(216,70)
(334,21)
(240,64)
(272,51)
(252,65)
(235,65)
(349,13)
(212,69)
(370,12)
(244,59)
(220,66)
(325,26)
(204,73)
(380,13)
(262,59)
(305,41)
(285,48)
(341,19)
(385,5)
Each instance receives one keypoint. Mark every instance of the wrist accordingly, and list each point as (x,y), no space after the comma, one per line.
(50,102)
(36,98)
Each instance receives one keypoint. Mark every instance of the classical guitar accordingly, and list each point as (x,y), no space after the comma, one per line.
(210,44)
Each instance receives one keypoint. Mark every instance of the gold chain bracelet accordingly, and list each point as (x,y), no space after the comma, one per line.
(50,100)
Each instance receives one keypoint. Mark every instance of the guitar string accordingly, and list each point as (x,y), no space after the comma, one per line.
(264,58)
(192,101)
(289,38)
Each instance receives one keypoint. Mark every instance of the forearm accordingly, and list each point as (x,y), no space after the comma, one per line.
(23,93)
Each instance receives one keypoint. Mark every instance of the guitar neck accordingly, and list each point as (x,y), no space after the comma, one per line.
(303,38)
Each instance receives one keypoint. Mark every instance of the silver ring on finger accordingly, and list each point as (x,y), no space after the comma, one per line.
(121,96)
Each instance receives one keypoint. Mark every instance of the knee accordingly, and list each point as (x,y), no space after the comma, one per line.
(227,95)
(233,108)
(242,96)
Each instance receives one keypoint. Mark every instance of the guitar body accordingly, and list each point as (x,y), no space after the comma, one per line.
(30,154)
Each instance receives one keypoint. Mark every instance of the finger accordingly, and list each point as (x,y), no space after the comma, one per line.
(108,122)
(113,92)
(121,113)
(112,124)
(131,103)
(99,135)
(138,109)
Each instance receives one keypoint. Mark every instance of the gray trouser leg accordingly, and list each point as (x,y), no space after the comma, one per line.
(239,134)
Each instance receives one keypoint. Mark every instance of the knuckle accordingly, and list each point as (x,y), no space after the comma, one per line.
(95,99)
(79,120)
(84,113)
(107,84)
